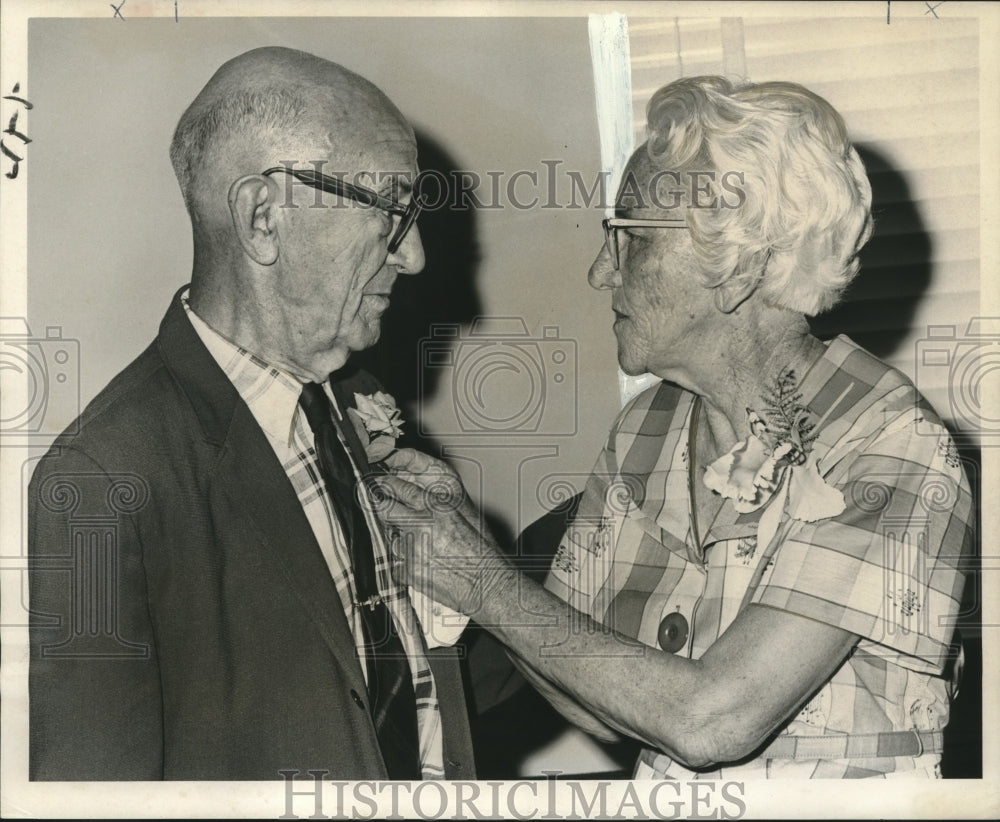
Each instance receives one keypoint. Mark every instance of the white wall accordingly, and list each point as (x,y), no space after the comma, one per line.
(109,241)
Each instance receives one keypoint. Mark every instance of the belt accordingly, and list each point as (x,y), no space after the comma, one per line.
(855,746)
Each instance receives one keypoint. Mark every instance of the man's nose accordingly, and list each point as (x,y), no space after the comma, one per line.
(603,274)
(409,257)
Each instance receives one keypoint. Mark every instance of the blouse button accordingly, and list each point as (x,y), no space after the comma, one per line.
(673,632)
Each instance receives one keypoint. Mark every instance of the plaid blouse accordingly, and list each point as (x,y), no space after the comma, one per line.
(272,396)
(889,568)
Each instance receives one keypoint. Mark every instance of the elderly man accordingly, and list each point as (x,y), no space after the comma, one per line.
(242,623)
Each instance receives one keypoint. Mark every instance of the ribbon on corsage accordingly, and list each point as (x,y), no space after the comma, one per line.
(378,423)
(775,466)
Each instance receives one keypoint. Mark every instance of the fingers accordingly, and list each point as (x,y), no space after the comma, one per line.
(411,495)
(399,561)
(409,459)
(420,468)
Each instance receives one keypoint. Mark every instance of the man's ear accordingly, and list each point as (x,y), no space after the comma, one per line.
(254,218)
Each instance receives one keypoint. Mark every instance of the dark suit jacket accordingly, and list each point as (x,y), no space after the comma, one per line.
(184,623)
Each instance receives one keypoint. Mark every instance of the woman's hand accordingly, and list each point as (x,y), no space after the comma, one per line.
(434,533)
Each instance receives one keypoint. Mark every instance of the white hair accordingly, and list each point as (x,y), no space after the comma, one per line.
(253,115)
(805,209)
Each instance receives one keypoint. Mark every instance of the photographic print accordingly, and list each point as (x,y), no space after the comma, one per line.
(522,410)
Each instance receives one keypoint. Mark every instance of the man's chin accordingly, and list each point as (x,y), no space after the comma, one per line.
(365,336)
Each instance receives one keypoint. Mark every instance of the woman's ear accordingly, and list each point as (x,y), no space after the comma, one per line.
(254,218)
(735,291)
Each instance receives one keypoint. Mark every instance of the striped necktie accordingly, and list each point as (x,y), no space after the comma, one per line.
(390,686)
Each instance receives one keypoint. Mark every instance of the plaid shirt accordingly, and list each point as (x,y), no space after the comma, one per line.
(272,396)
(888,568)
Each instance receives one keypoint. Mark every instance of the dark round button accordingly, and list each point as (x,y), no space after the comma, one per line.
(357,699)
(673,632)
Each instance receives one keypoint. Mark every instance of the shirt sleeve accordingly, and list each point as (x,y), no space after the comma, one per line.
(890,567)
(588,567)
(578,567)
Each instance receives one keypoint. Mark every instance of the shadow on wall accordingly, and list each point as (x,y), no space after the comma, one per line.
(444,293)
(878,307)
(877,312)
(963,737)
(510,719)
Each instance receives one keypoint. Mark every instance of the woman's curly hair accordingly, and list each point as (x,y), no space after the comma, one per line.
(805,208)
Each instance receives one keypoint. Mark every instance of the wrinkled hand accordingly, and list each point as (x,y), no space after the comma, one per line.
(434,533)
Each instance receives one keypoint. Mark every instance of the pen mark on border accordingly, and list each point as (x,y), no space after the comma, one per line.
(13,131)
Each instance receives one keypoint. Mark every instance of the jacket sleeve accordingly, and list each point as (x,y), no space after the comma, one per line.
(94,685)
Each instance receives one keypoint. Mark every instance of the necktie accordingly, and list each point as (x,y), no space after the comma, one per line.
(390,687)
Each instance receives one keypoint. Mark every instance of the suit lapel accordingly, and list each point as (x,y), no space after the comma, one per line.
(256,482)
(254,476)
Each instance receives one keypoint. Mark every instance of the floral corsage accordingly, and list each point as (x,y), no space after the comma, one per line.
(776,463)
(378,423)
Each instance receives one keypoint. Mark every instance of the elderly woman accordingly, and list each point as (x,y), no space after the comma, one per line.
(764,571)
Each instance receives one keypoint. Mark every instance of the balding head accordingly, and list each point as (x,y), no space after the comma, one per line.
(301,286)
(271,104)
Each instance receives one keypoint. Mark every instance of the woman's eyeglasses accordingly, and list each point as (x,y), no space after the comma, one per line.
(614,225)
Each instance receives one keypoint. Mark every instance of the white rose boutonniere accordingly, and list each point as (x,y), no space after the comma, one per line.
(776,463)
(378,423)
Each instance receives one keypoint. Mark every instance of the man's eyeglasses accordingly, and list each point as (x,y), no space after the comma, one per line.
(365,196)
(613,225)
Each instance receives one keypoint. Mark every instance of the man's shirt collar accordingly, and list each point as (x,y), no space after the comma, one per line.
(271,393)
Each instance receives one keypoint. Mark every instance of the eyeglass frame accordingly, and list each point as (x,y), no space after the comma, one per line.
(611,225)
(341,188)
